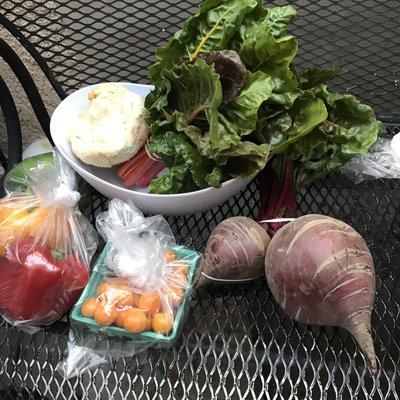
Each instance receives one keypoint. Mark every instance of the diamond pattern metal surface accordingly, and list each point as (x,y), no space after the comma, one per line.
(237,343)
(87,41)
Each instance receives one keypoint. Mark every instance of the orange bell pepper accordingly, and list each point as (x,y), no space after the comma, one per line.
(51,226)
(12,221)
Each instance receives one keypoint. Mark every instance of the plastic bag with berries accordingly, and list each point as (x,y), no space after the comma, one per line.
(138,294)
(45,246)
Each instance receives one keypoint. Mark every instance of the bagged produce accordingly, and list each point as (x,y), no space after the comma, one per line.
(138,294)
(382,161)
(45,245)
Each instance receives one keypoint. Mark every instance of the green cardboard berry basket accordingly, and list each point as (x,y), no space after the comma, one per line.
(100,270)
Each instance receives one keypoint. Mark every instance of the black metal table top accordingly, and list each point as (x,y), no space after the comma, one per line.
(237,343)
(87,41)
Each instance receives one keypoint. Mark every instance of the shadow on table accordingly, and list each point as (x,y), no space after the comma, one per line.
(9,392)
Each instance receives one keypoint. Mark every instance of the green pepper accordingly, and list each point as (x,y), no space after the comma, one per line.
(18,177)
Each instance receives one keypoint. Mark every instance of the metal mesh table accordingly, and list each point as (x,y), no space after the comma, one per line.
(236,343)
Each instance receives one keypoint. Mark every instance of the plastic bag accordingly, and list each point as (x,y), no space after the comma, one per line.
(45,246)
(138,294)
(382,161)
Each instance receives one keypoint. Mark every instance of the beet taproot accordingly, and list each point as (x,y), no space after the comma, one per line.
(321,272)
(234,253)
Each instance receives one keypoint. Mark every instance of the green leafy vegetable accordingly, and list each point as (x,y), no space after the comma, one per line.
(307,113)
(351,128)
(175,150)
(240,115)
(278,18)
(228,102)
(261,50)
(315,76)
(175,180)
(192,105)
(246,159)
(273,130)
(209,29)
(230,69)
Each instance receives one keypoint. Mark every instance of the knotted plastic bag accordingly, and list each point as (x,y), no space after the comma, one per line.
(382,161)
(45,246)
(138,294)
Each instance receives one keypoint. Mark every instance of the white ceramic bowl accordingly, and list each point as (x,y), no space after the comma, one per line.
(106,180)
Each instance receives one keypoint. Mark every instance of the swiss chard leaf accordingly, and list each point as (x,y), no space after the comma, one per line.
(209,29)
(238,118)
(215,177)
(261,51)
(224,124)
(274,130)
(351,128)
(194,90)
(192,96)
(246,159)
(230,69)
(315,76)
(240,115)
(175,150)
(177,179)
(278,18)
(307,113)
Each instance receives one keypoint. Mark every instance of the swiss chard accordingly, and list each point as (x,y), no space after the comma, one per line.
(231,71)
(177,179)
(350,128)
(209,29)
(227,101)
(192,105)
(315,76)
(176,150)
(263,49)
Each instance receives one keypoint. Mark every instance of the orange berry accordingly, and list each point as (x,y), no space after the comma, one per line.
(114,283)
(174,295)
(89,307)
(120,298)
(114,293)
(175,278)
(162,323)
(103,287)
(182,269)
(135,320)
(13,224)
(149,323)
(120,319)
(105,314)
(127,299)
(170,256)
(150,303)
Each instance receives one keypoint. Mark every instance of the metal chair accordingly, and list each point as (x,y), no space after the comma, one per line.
(10,114)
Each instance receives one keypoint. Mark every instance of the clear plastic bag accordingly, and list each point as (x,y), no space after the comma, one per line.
(138,294)
(45,246)
(382,161)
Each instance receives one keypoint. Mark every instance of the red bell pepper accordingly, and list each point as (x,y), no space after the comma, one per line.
(37,287)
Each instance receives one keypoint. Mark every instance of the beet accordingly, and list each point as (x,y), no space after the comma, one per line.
(235,252)
(321,272)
